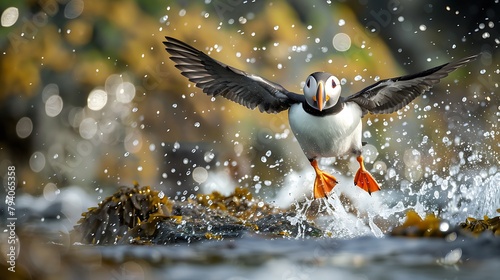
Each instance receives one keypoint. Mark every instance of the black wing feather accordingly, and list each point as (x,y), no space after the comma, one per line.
(216,78)
(390,95)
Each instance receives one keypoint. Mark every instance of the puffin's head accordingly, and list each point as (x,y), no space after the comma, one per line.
(322,90)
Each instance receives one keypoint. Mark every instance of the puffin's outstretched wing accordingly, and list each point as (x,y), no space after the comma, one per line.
(390,95)
(216,78)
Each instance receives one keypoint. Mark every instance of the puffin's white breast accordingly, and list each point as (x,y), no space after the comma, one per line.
(327,136)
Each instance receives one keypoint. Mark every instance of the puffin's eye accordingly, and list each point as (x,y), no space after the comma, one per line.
(308,83)
(333,83)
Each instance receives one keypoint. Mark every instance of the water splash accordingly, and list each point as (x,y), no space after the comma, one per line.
(300,217)
(350,212)
(475,196)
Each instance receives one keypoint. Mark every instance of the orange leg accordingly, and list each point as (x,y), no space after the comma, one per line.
(324,182)
(364,179)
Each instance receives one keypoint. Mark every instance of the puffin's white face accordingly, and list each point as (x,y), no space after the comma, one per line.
(322,90)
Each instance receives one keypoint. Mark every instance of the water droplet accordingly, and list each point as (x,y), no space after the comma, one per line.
(370,153)
(380,167)
(436,194)
(209,156)
(412,157)
(177,145)
(453,257)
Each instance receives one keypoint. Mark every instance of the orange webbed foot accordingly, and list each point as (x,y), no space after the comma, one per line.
(324,182)
(364,179)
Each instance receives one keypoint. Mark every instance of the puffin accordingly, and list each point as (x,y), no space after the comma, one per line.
(324,123)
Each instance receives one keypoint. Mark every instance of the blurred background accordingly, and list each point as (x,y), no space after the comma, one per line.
(89,98)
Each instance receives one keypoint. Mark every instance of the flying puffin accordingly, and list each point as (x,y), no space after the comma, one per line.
(324,123)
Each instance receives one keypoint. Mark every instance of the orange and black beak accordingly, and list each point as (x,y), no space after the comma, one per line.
(319,95)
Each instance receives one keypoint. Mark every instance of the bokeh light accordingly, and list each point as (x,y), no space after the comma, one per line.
(9,17)
(133,141)
(412,158)
(79,32)
(125,92)
(50,191)
(88,128)
(53,106)
(341,42)
(73,9)
(37,161)
(24,127)
(200,174)
(97,99)
(49,90)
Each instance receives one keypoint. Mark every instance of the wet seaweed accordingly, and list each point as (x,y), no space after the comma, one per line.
(429,226)
(432,226)
(141,215)
(477,226)
(115,215)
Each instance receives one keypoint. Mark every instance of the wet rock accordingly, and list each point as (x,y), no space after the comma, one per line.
(286,224)
(140,215)
(190,222)
(115,215)
(240,204)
